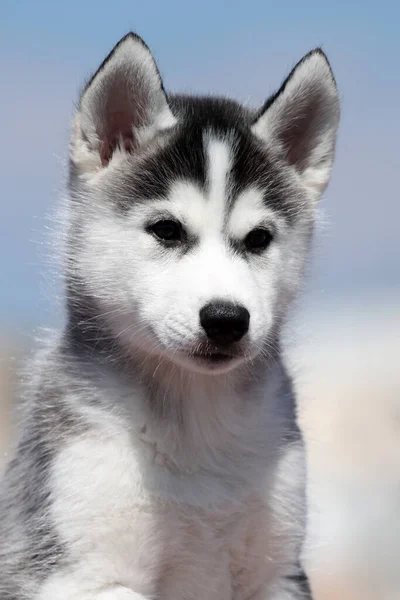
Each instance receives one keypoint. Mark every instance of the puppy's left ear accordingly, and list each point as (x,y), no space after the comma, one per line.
(301,121)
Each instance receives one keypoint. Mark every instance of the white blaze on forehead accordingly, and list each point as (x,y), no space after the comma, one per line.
(249,211)
(219,162)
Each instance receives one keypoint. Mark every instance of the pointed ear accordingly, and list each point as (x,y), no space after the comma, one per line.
(301,120)
(123,104)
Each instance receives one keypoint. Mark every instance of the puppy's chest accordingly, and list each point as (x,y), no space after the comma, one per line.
(151,537)
(225,554)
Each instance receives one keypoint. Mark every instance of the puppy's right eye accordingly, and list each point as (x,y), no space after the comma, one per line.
(167,230)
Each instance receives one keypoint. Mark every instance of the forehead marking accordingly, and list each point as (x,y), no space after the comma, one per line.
(219,164)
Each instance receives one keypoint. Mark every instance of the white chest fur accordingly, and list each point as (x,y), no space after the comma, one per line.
(117,533)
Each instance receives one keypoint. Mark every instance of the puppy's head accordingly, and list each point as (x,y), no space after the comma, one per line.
(191,217)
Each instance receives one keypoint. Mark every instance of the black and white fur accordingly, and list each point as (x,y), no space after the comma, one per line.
(156,461)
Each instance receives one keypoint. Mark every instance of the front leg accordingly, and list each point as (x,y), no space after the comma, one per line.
(113,539)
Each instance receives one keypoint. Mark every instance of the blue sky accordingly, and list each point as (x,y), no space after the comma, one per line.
(241,48)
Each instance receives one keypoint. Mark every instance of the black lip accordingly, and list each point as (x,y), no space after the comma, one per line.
(214,357)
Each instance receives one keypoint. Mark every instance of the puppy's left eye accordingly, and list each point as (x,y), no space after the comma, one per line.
(258,239)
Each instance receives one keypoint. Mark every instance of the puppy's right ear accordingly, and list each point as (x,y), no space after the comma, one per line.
(123,104)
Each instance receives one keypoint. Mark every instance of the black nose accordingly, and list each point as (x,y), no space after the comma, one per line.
(224,322)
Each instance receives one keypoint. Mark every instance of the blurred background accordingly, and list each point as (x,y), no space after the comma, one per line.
(345,334)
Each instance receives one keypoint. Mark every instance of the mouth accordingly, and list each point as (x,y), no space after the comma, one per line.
(212,357)
(216,359)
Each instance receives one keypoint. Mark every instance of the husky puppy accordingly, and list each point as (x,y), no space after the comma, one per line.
(159,456)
